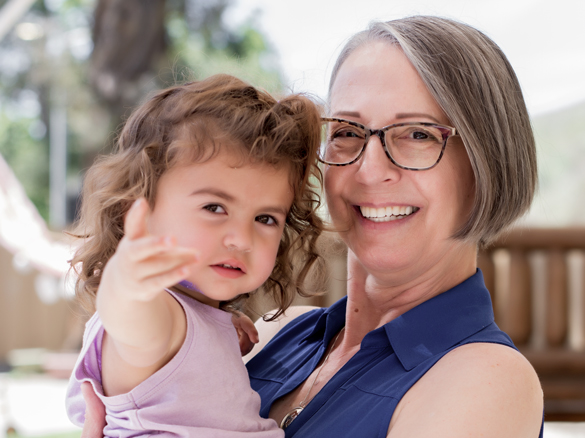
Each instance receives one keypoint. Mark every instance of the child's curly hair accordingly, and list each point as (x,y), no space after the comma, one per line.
(218,112)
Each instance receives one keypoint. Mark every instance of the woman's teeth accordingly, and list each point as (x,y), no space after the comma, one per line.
(386,214)
(225,265)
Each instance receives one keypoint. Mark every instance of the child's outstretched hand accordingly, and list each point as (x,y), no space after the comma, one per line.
(144,265)
(247,333)
(144,324)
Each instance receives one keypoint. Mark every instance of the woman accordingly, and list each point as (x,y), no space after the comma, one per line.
(429,154)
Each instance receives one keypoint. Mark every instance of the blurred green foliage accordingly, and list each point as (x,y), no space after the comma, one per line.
(49,63)
(244,54)
(28,158)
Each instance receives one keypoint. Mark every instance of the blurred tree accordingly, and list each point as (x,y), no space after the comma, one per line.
(97,59)
(129,39)
(141,44)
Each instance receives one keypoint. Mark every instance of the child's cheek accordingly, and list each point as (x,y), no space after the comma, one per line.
(270,260)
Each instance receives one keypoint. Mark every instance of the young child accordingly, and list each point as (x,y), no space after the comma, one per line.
(207,198)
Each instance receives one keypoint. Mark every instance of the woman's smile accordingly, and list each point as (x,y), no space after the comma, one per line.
(386,214)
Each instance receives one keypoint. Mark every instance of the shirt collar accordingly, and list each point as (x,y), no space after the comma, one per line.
(441,322)
(426,330)
(331,320)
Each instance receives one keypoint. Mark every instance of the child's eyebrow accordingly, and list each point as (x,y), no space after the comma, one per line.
(213,191)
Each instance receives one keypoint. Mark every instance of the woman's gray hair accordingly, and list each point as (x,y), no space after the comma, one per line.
(473,82)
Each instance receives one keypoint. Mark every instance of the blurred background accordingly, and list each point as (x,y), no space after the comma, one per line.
(71,70)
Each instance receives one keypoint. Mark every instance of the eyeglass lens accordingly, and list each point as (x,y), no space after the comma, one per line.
(412,146)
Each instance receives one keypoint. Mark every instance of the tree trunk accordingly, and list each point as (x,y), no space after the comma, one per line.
(129,38)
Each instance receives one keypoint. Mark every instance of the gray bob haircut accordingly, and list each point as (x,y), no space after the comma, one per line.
(473,82)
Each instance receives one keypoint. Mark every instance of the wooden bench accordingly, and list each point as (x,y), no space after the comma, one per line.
(537,281)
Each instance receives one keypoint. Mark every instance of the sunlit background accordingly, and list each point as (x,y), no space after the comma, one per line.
(71,70)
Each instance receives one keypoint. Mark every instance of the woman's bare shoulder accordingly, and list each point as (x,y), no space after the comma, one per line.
(268,329)
(479,389)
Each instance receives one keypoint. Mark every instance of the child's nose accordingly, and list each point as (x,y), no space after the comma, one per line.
(239,238)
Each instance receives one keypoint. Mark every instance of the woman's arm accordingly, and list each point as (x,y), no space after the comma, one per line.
(476,390)
(268,329)
(95,413)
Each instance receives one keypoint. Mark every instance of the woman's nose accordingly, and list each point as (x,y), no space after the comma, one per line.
(374,165)
(239,238)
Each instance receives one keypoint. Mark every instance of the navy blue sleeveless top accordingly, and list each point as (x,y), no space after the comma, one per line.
(360,399)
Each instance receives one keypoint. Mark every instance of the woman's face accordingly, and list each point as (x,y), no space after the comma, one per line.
(377,86)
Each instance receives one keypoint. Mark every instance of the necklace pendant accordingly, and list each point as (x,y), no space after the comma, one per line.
(290,416)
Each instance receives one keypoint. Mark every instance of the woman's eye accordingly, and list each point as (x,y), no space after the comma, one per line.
(426,134)
(419,135)
(215,208)
(347,133)
(266,220)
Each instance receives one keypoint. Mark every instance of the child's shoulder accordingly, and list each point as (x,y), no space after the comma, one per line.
(194,309)
(92,327)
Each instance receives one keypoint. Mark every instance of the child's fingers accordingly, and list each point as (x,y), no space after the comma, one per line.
(162,263)
(246,344)
(166,279)
(135,225)
(145,247)
(144,279)
(246,326)
(246,330)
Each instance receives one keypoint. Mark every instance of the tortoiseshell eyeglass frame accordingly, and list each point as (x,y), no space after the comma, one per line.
(447,132)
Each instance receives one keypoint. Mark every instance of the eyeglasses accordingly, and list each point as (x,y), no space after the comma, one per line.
(411,146)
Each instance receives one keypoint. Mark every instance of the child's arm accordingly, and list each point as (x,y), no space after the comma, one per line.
(145,326)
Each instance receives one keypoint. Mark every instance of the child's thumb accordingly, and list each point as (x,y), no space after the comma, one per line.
(135,224)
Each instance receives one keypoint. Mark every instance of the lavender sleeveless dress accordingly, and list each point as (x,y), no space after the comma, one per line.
(204,391)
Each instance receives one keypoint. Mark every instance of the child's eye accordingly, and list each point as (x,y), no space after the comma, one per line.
(215,208)
(266,220)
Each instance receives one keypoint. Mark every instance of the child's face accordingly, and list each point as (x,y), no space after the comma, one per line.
(233,213)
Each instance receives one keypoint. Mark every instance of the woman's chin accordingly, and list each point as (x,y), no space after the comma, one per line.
(377,255)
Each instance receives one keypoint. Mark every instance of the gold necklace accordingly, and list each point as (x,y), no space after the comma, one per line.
(294,413)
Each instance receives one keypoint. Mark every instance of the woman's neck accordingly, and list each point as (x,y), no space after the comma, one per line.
(376,298)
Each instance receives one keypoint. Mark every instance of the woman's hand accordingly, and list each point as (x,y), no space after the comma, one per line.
(95,413)
(247,332)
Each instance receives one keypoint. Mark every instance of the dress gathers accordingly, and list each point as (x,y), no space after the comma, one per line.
(360,399)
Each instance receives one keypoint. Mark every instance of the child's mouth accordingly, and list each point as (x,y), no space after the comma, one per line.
(225,265)
(234,269)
